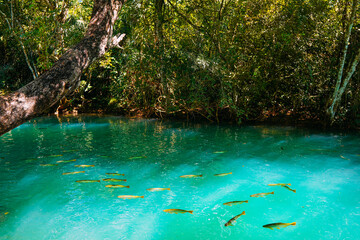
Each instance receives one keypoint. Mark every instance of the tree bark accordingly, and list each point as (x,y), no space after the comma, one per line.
(64,77)
(339,83)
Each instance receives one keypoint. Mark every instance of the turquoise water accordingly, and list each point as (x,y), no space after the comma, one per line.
(41,203)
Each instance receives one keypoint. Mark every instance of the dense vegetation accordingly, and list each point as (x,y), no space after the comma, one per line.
(220,60)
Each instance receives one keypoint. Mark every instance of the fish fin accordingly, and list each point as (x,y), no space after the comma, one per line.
(293,223)
(278,227)
(272,193)
(142,197)
(190,212)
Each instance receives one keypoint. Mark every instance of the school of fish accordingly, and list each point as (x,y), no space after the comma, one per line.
(230,222)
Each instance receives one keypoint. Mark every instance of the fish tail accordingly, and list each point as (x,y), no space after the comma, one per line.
(230,172)
(289,184)
(201,175)
(167,189)
(124,180)
(293,223)
(272,193)
(246,201)
(294,190)
(127,186)
(243,213)
(190,212)
(141,196)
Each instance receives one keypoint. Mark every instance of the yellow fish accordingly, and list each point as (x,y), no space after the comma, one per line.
(279,184)
(233,220)
(66,161)
(190,176)
(219,152)
(176,211)
(278,225)
(48,165)
(68,173)
(157,189)
(87,181)
(115,174)
(293,190)
(55,155)
(71,150)
(84,166)
(235,202)
(261,194)
(117,186)
(129,196)
(114,180)
(222,174)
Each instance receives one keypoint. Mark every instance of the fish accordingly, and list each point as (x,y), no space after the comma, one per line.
(235,202)
(84,166)
(114,180)
(104,156)
(233,220)
(278,225)
(190,176)
(66,161)
(69,173)
(138,157)
(176,211)
(129,196)
(287,187)
(87,181)
(344,157)
(59,155)
(115,174)
(6,213)
(219,152)
(279,184)
(48,165)
(117,186)
(70,150)
(222,174)
(261,194)
(157,189)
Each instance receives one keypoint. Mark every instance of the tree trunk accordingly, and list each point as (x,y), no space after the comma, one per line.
(64,77)
(339,83)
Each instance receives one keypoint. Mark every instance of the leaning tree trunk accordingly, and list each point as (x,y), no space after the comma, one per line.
(64,77)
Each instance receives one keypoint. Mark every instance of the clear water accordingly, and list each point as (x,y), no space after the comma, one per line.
(41,203)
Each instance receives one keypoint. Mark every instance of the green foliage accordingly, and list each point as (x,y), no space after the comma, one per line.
(221,59)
